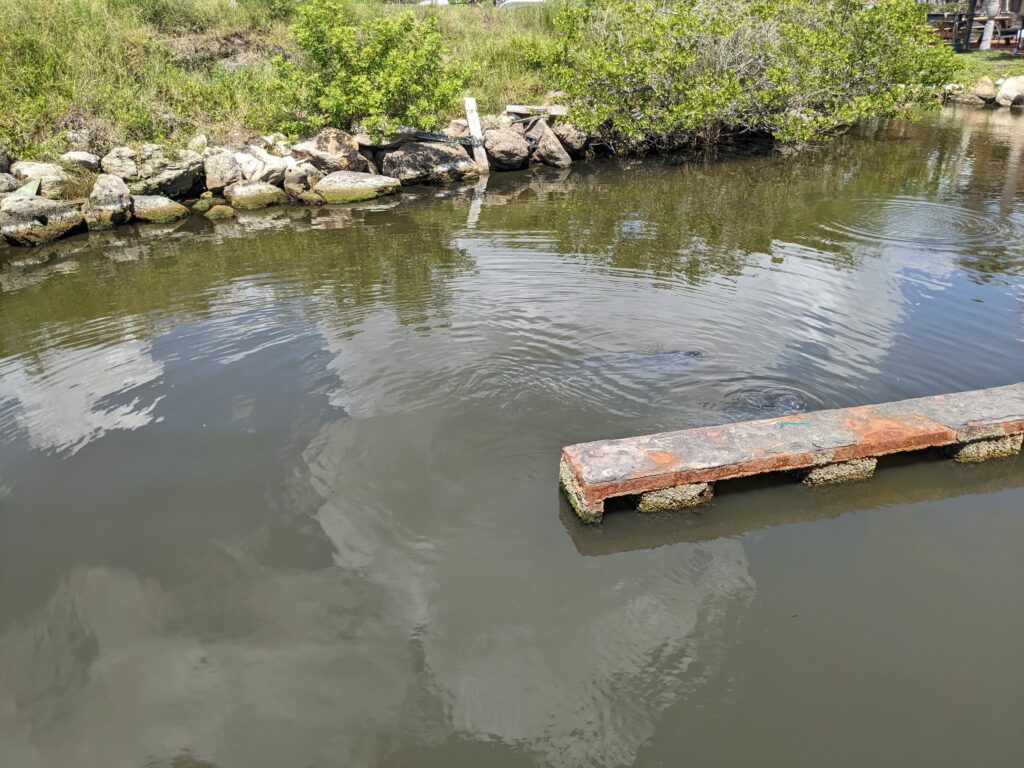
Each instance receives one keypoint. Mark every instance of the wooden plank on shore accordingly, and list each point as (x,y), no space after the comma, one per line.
(674,469)
(554,110)
(477,134)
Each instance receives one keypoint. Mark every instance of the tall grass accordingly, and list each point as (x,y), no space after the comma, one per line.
(110,65)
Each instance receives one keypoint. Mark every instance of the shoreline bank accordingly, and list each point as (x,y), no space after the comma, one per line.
(41,202)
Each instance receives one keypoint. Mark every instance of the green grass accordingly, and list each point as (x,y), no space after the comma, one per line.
(994,64)
(116,66)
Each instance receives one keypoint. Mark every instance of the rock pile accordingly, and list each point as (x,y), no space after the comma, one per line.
(150,183)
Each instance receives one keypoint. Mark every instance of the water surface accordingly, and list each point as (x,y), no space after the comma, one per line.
(283,492)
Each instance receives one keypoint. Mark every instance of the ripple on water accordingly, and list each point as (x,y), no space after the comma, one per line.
(766,399)
(921,223)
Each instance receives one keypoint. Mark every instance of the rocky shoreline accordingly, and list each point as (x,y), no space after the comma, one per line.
(1005,92)
(42,201)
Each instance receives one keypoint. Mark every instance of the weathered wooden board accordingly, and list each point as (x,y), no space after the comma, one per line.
(477,134)
(555,110)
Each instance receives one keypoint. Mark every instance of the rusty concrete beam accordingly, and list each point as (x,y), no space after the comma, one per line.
(825,446)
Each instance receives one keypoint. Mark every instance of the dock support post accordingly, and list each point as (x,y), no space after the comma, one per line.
(586,511)
(675,498)
(841,472)
(989,448)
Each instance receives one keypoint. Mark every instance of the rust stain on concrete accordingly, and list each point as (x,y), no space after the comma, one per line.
(632,466)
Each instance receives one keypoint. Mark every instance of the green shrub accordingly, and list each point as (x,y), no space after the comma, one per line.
(381,72)
(644,70)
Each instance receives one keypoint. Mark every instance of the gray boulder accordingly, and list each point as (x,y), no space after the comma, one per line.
(29,221)
(222,170)
(8,183)
(276,143)
(985,90)
(204,204)
(110,203)
(421,162)
(157,209)
(199,143)
(1011,92)
(120,162)
(79,139)
(52,178)
(352,186)
(573,139)
(164,171)
(220,213)
(547,149)
(86,160)
(457,129)
(259,165)
(506,149)
(250,195)
(331,150)
(301,177)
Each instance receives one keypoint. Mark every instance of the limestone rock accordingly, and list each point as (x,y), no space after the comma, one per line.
(351,186)
(110,203)
(86,160)
(331,150)
(985,90)
(421,162)
(199,143)
(302,177)
(79,139)
(573,139)
(28,221)
(220,213)
(222,170)
(276,143)
(52,178)
(548,149)
(157,209)
(8,183)
(120,161)
(250,195)
(457,129)
(1011,91)
(204,204)
(163,171)
(506,150)
(259,165)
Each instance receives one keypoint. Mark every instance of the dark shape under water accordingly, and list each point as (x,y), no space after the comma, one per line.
(645,360)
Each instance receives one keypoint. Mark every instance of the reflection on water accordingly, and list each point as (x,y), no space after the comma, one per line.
(283,492)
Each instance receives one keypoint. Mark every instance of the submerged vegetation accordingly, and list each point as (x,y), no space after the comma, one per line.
(633,70)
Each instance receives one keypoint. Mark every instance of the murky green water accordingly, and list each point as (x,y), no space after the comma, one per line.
(284,495)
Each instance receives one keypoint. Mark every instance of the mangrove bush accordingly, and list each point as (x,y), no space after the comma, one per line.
(381,72)
(649,70)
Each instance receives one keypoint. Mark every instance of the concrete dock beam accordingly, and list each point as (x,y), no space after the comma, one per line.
(671,470)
